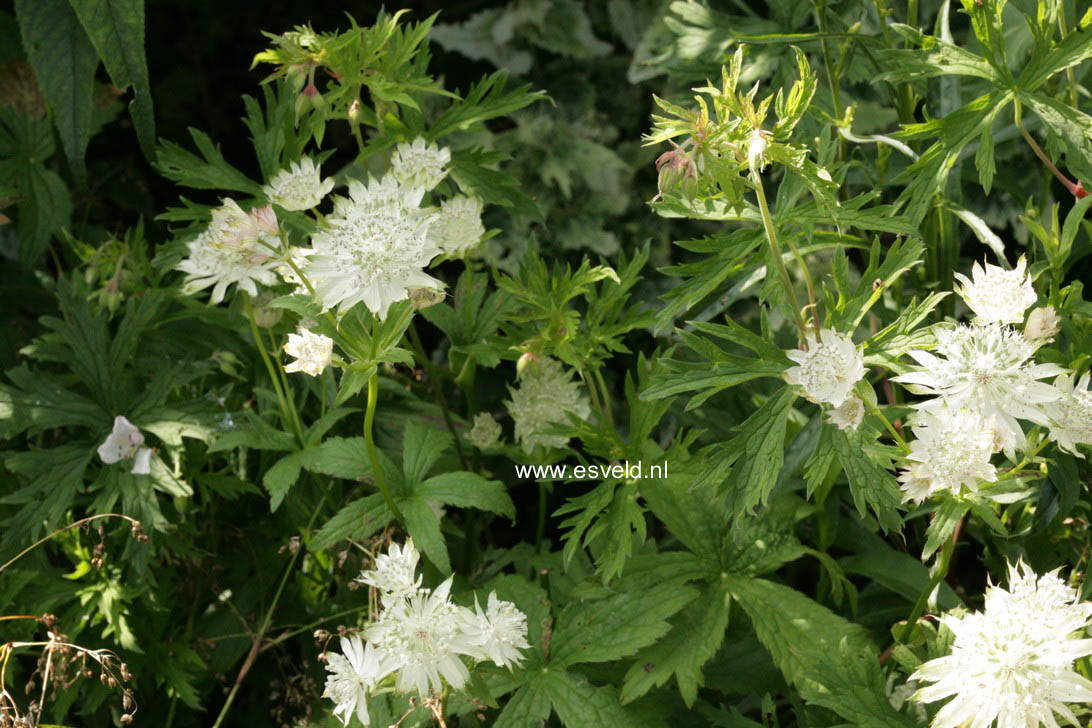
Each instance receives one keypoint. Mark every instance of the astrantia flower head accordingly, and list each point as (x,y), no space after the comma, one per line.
(352,677)
(420,164)
(1013,662)
(952,451)
(394,575)
(545,396)
(300,187)
(987,368)
(373,249)
(235,248)
(485,433)
(313,352)
(124,443)
(828,369)
(997,295)
(1071,415)
(849,414)
(422,638)
(459,227)
(496,634)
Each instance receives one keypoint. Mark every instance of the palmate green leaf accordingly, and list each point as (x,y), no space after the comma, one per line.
(423,525)
(696,636)
(473,170)
(850,681)
(36,403)
(280,478)
(64,64)
(578,703)
(935,58)
(116,28)
(210,171)
(257,434)
(54,477)
(871,485)
(468,490)
(691,510)
(799,633)
(45,209)
(422,446)
(943,524)
(672,376)
(1072,126)
(487,99)
(357,521)
(1046,61)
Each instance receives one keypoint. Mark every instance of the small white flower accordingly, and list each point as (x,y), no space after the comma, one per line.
(545,396)
(828,369)
(496,634)
(422,638)
(485,433)
(394,575)
(235,248)
(373,249)
(300,187)
(849,414)
(420,164)
(1071,416)
(952,451)
(313,352)
(459,227)
(352,677)
(1013,662)
(756,151)
(124,443)
(997,295)
(987,368)
(1043,323)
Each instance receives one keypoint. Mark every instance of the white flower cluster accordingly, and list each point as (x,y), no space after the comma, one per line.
(984,381)
(1012,662)
(545,397)
(826,372)
(301,187)
(420,639)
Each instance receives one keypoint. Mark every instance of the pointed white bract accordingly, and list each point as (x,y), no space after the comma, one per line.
(1012,663)
(124,443)
(987,368)
(313,352)
(394,575)
(459,227)
(546,395)
(420,164)
(828,369)
(952,452)
(496,634)
(374,248)
(300,187)
(997,295)
(236,248)
(1070,416)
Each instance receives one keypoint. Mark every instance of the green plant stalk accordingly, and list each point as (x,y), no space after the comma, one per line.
(287,390)
(285,414)
(1074,188)
(606,396)
(775,249)
(890,428)
(939,574)
(267,621)
(373,454)
(437,387)
(835,96)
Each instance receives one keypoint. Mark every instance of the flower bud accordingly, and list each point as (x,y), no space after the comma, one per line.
(425,297)
(527,358)
(354,112)
(1043,323)
(756,151)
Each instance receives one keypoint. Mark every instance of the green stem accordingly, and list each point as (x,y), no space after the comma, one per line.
(540,529)
(940,571)
(890,428)
(287,390)
(285,416)
(606,396)
(59,531)
(775,250)
(437,387)
(373,453)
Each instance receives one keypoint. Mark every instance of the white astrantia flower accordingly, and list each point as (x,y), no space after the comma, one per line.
(236,247)
(849,414)
(124,443)
(313,352)
(422,639)
(1012,662)
(459,227)
(352,677)
(485,432)
(301,187)
(496,634)
(420,164)
(1071,416)
(997,295)
(828,369)
(394,573)
(546,395)
(952,451)
(373,248)
(987,368)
